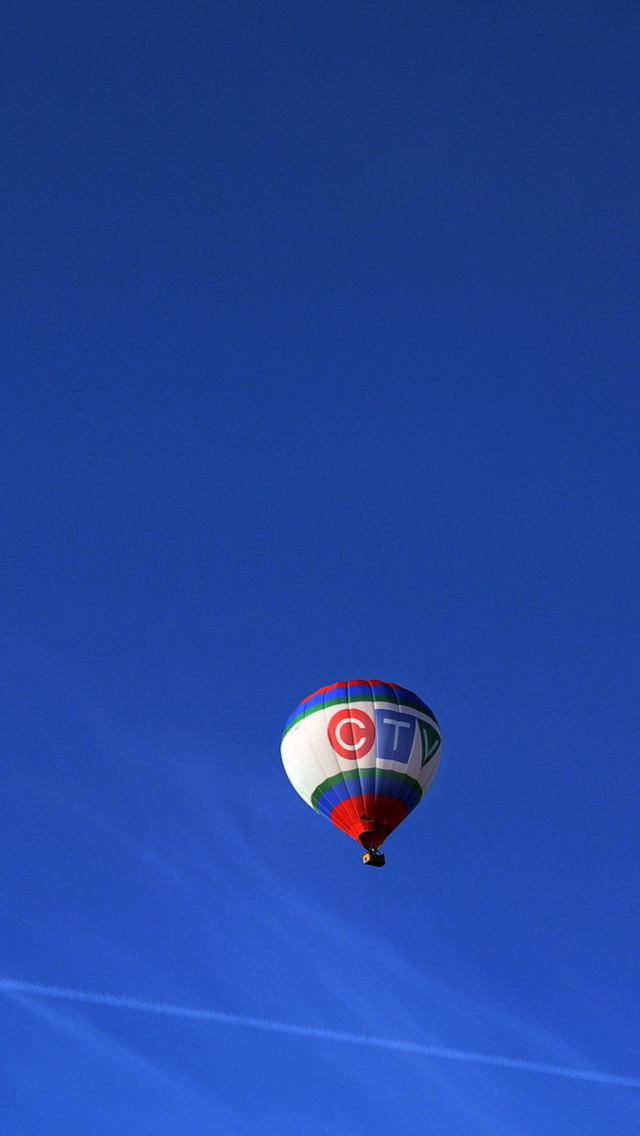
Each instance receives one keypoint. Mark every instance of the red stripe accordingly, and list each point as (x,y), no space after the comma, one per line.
(355,682)
(369,818)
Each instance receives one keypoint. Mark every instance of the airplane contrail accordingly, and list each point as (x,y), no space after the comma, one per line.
(122,1001)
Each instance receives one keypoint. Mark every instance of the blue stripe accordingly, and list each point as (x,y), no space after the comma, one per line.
(371,781)
(381,691)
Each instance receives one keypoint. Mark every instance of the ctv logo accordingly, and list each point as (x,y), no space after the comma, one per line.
(352,734)
(396,734)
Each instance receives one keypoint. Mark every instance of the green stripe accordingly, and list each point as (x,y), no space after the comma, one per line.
(354,774)
(405,705)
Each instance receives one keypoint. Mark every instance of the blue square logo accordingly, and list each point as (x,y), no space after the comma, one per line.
(395,733)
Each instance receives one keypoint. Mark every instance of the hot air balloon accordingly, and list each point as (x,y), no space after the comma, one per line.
(363,753)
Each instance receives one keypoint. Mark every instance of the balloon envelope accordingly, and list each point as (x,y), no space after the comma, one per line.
(363,753)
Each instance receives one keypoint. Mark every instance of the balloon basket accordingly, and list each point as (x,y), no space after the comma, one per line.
(374,858)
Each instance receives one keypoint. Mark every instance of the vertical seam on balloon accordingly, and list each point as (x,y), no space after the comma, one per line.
(375,766)
(356,814)
(357,765)
(409,796)
(404,797)
(313,750)
(429,770)
(337,756)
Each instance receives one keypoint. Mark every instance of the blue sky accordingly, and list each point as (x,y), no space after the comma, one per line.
(318,332)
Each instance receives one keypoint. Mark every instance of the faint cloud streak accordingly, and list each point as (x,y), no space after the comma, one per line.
(118,1001)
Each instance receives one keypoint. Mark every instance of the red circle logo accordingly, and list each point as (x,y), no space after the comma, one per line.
(351,733)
